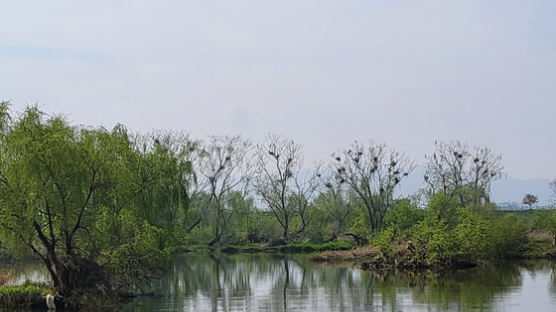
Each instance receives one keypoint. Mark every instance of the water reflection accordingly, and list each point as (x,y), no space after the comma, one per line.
(218,282)
(26,271)
(266,282)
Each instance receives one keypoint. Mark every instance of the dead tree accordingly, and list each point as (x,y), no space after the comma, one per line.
(281,185)
(222,168)
(372,173)
(455,169)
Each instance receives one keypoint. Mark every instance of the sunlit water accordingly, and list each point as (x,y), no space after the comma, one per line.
(265,282)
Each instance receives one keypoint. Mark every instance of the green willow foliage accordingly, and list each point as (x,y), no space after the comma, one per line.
(78,197)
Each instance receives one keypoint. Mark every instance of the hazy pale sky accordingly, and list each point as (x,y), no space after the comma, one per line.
(321,72)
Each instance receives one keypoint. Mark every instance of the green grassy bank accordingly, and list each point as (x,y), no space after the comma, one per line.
(27,296)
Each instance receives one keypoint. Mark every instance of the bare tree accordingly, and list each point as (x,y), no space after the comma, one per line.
(553,186)
(282,186)
(373,173)
(222,168)
(530,199)
(455,169)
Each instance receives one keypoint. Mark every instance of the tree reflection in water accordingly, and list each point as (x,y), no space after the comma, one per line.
(259,282)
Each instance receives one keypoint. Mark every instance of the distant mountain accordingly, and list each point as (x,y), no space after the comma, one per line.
(506,190)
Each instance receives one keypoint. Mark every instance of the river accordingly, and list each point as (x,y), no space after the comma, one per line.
(269,282)
(266,282)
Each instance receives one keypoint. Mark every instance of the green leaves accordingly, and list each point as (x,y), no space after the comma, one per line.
(445,233)
(403,216)
(70,192)
(471,234)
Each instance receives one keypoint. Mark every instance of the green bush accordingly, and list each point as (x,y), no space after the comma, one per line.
(384,240)
(142,251)
(443,208)
(403,216)
(549,223)
(320,227)
(444,233)
(361,225)
(434,244)
(23,296)
(471,234)
(507,237)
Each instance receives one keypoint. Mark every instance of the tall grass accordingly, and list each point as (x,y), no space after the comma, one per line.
(23,296)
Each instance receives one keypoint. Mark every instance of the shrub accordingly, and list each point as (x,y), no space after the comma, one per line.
(507,237)
(23,296)
(471,234)
(361,225)
(403,216)
(384,240)
(433,243)
(443,208)
(143,250)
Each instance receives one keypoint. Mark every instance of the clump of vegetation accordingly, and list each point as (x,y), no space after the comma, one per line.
(459,226)
(444,234)
(5,277)
(22,297)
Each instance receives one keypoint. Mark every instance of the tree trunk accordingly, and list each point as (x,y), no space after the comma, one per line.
(58,272)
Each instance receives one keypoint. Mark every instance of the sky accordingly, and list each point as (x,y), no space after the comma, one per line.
(405,73)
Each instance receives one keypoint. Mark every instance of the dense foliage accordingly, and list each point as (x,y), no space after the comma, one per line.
(88,201)
(445,233)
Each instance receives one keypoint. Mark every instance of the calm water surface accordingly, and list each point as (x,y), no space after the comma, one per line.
(262,282)
(265,282)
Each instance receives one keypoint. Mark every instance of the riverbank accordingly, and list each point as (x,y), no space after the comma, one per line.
(370,258)
(27,296)
(32,297)
(265,248)
(402,257)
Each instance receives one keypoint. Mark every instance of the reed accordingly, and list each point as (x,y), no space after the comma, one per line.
(5,277)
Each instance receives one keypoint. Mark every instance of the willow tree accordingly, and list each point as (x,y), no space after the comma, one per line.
(50,174)
(145,209)
(162,177)
(84,200)
(373,173)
